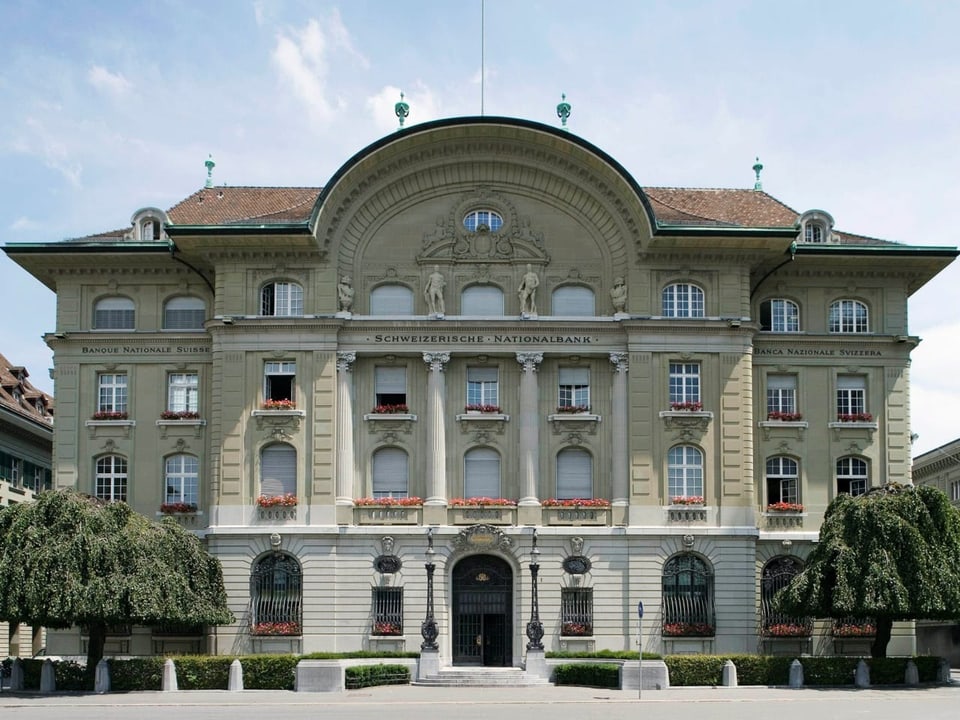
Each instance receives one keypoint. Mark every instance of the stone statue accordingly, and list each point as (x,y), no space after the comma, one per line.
(345,294)
(433,291)
(618,296)
(528,292)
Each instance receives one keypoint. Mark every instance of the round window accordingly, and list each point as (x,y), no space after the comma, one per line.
(477,219)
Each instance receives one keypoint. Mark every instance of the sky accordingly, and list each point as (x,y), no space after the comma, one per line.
(107,106)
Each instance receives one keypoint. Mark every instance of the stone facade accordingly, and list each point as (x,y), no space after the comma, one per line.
(484,307)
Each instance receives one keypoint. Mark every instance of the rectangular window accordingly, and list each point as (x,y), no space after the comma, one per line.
(851,395)
(574,390)
(112,392)
(278,380)
(183,392)
(390,386)
(955,491)
(576,611)
(482,387)
(781,395)
(684,383)
(387,611)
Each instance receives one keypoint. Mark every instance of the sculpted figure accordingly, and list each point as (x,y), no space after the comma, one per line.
(618,296)
(433,291)
(345,294)
(528,292)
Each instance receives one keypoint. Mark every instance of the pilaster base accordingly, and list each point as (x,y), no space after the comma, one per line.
(529,515)
(435,514)
(620,515)
(536,665)
(429,664)
(344,514)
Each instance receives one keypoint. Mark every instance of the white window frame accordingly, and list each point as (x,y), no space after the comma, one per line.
(481,473)
(183,392)
(684,384)
(111,479)
(390,473)
(573,387)
(280,380)
(853,472)
(482,217)
(482,300)
(851,394)
(784,473)
(114,313)
(573,301)
(182,479)
(483,386)
(849,316)
(684,471)
(781,393)
(281,298)
(814,232)
(112,392)
(783,315)
(683,300)
(574,474)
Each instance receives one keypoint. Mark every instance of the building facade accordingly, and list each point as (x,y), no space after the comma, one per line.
(480,346)
(26,441)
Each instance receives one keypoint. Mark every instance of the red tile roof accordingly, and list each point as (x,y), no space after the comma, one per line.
(245,206)
(13,382)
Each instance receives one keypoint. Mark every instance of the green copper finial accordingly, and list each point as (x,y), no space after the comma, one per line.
(757,167)
(563,110)
(402,110)
(210,165)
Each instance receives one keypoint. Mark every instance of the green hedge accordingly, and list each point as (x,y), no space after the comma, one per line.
(361,676)
(604,655)
(269,672)
(136,674)
(605,675)
(68,675)
(200,672)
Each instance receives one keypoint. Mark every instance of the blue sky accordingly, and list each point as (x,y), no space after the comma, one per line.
(106,107)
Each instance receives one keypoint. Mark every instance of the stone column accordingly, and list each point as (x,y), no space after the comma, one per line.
(436,437)
(621,459)
(346,462)
(529,428)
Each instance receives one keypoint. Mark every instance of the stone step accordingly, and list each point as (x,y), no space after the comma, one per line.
(481,677)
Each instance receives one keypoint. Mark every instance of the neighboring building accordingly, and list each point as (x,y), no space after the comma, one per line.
(486,307)
(26,440)
(940,468)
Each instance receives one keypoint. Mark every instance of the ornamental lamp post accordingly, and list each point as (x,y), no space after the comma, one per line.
(428,628)
(534,627)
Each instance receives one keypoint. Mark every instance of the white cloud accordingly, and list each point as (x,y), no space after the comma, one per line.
(55,153)
(24,223)
(303,59)
(114,84)
(423,102)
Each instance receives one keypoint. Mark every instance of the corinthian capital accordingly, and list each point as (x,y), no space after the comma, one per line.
(530,361)
(345,360)
(619,361)
(436,360)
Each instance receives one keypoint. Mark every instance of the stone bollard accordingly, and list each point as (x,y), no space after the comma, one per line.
(169,677)
(235,683)
(796,674)
(912,675)
(943,671)
(16,674)
(861,677)
(729,674)
(101,678)
(48,677)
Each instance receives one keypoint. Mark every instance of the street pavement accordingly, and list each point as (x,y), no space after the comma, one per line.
(529,703)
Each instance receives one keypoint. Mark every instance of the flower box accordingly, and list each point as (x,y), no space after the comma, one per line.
(481,502)
(389,502)
(688,629)
(573,409)
(785,416)
(854,630)
(276,628)
(686,500)
(279,405)
(576,502)
(177,507)
(482,408)
(787,630)
(390,410)
(784,507)
(179,415)
(689,406)
(109,415)
(854,417)
(269,501)
(575,629)
(383,627)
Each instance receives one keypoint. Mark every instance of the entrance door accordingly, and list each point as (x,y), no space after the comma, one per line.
(482,612)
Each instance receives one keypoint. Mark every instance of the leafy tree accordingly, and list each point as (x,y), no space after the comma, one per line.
(891,554)
(70,559)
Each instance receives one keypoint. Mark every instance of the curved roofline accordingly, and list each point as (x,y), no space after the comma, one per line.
(490,120)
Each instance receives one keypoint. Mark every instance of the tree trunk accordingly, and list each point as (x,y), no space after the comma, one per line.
(879,647)
(95,642)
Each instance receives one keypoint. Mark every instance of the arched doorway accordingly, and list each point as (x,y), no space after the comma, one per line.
(482,611)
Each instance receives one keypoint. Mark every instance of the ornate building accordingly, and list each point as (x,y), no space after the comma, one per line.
(479,348)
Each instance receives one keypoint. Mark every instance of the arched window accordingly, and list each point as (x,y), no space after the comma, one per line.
(481,473)
(391,299)
(574,474)
(114,313)
(182,479)
(281,299)
(276,596)
(783,480)
(813,232)
(479,219)
(687,597)
(390,475)
(849,316)
(484,300)
(184,313)
(852,476)
(683,300)
(111,478)
(775,576)
(278,470)
(684,472)
(779,315)
(574,300)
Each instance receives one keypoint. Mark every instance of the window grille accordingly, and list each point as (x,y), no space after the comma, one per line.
(276,595)
(576,611)
(776,575)
(387,611)
(687,597)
